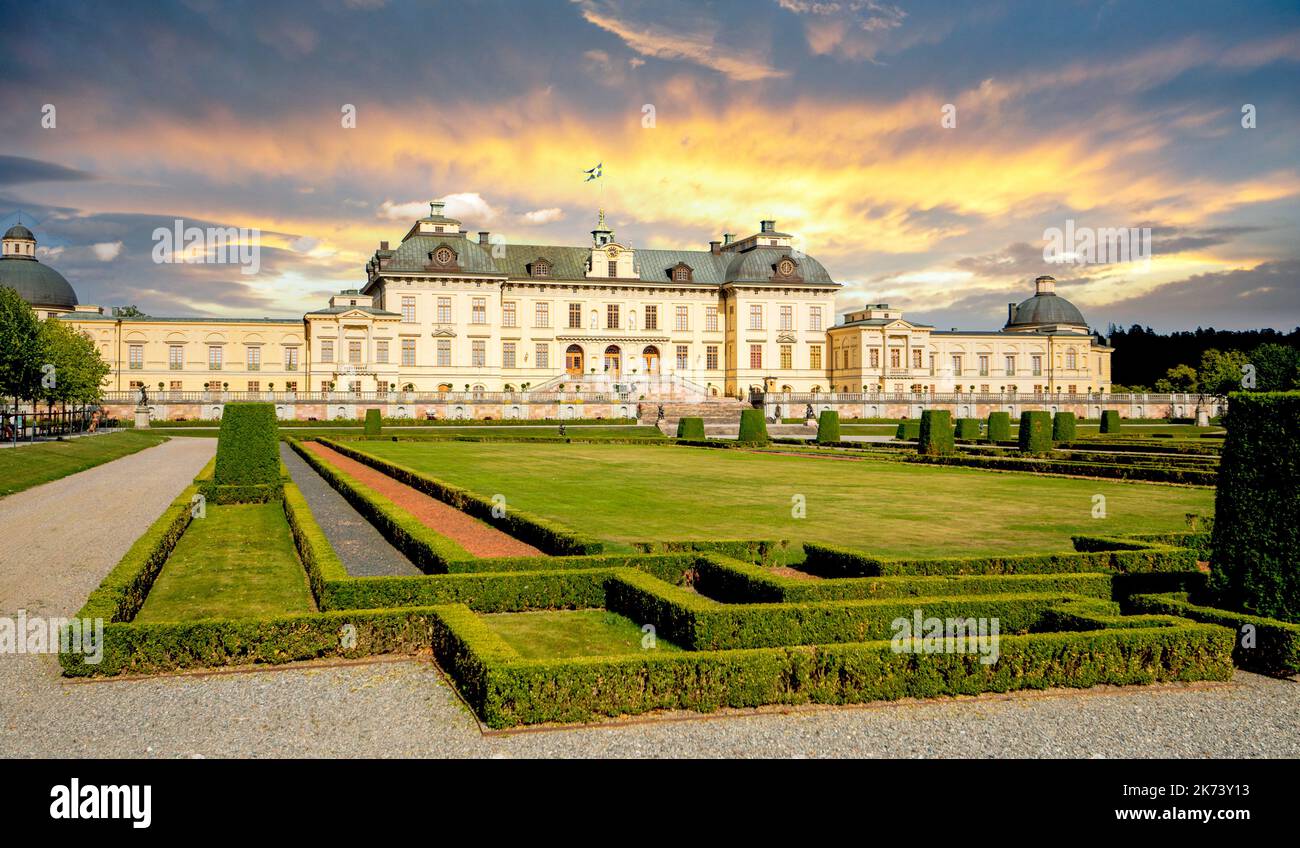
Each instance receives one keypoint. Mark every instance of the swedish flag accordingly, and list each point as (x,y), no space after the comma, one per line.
(593,173)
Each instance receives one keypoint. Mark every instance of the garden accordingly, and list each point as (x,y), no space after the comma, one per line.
(572,579)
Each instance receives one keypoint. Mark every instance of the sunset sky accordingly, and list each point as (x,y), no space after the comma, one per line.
(825,116)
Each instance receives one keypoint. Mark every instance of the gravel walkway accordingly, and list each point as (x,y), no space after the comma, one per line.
(364,550)
(477,537)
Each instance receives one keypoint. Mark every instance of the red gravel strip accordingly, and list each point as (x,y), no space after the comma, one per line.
(480,539)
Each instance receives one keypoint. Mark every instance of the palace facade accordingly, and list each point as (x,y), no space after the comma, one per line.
(446,311)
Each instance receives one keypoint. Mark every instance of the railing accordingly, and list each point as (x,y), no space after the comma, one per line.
(985,397)
(169,397)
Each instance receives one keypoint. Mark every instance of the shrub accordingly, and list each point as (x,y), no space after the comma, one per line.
(935,437)
(828,427)
(753,428)
(1113,556)
(690,428)
(248,457)
(1256,568)
(908,430)
(968,428)
(1274,649)
(1110,421)
(1064,427)
(1035,432)
(374,423)
(999,427)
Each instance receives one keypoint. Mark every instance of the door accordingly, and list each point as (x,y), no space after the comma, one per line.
(573,360)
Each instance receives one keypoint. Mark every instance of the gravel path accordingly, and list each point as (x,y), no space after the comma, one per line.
(364,550)
(477,537)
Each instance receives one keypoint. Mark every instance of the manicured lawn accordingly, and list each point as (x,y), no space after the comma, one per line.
(575,431)
(31,465)
(571,633)
(632,492)
(238,562)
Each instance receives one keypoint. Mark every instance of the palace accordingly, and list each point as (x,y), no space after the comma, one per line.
(445,311)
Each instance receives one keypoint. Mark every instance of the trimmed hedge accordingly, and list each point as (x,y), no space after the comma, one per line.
(374,422)
(908,430)
(1257,509)
(753,427)
(748,550)
(1035,436)
(1064,427)
(1276,648)
(835,561)
(968,429)
(506,691)
(541,533)
(999,427)
(248,447)
(691,428)
(828,427)
(1110,421)
(935,437)
(1051,465)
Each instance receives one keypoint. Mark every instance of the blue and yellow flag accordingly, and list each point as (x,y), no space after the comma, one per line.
(593,173)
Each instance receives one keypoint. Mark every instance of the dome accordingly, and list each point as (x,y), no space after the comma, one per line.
(39,285)
(756,266)
(1046,307)
(18,231)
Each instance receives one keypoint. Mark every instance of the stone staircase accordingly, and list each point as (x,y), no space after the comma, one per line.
(721,415)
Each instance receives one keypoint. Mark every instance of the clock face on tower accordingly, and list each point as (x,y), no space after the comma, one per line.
(612,253)
(443,256)
(785,268)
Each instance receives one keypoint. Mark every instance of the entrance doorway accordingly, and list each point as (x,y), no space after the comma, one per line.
(613,360)
(573,360)
(651,357)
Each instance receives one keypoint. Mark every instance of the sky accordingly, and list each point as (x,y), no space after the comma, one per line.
(922,151)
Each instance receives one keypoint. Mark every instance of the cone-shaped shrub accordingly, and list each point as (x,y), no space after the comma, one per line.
(1063,427)
(690,428)
(248,446)
(828,427)
(908,430)
(999,427)
(936,433)
(1110,421)
(968,428)
(753,429)
(1254,566)
(374,425)
(1036,432)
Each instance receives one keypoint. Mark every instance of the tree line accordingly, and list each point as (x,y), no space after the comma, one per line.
(1204,360)
(46,361)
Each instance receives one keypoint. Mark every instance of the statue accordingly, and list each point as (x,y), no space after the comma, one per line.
(562,431)
(661,414)
(144,396)
(808,412)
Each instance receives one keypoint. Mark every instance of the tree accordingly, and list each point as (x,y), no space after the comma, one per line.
(1180,378)
(1277,367)
(72,370)
(1221,372)
(131,311)
(20,347)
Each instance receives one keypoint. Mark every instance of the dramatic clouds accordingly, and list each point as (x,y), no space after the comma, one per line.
(827,115)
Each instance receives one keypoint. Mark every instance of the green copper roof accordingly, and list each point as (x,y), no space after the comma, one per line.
(38,284)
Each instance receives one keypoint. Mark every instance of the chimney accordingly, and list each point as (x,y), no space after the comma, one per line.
(435,208)
(727,238)
(715,247)
(1011,313)
(483,237)
(1045,285)
(767,226)
(383,245)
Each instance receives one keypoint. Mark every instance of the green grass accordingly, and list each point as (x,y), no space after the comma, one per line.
(576,431)
(238,562)
(558,634)
(31,465)
(625,493)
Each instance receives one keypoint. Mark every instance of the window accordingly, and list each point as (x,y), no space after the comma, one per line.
(682,274)
(541,268)
(895,358)
(291,359)
(652,317)
(711,357)
(327,350)
(174,386)
(214,359)
(176,357)
(613,269)
(444,310)
(291,386)
(253,357)
(1070,360)
(136,355)
(542,353)
(1011,366)
(755,316)
(408,310)
(984,366)
(381,351)
(956,366)
(478,354)
(711,318)
(325,385)
(875,357)
(787,317)
(478,310)
(611,316)
(541,315)
(254,386)
(444,353)
(508,314)
(683,357)
(755,356)
(916,357)
(354,352)
(787,356)
(1037,362)
(984,388)
(1074,390)
(575,316)
(815,356)
(682,318)
(508,355)
(814,318)
(408,352)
